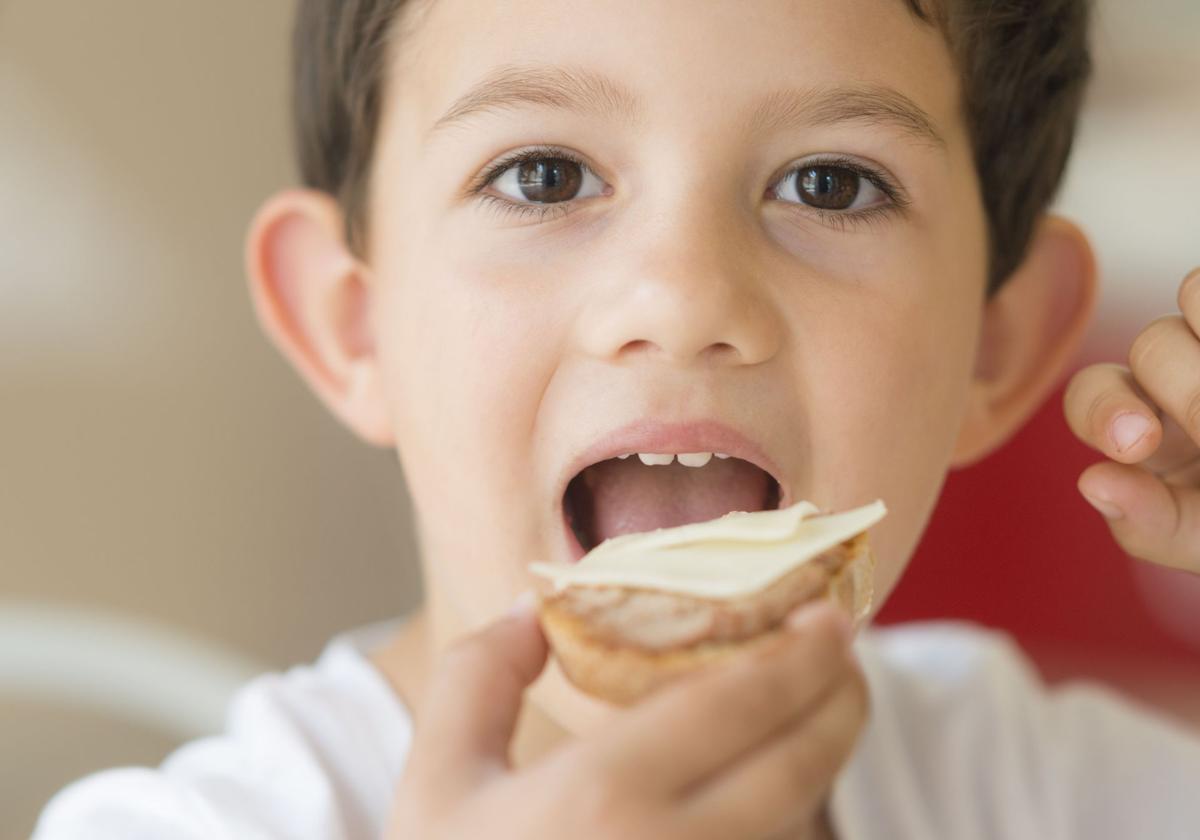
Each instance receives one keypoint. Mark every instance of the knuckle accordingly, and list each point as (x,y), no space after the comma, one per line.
(813,664)
(852,708)
(1189,290)
(1187,538)
(1145,346)
(1097,415)
(812,756)
(764,689)
(798,770)
(607,797)
(853,704)
(1183,546)
(1191,415)
(1087,394)
(1076,387)
(815,751)
(1090,379)
(599,796)
(1134,545)
(764,694)
(860,697)
(605,805)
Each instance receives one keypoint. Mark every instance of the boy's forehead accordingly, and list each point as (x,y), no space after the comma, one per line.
(627,60)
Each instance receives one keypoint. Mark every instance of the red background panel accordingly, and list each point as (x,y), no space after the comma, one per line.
(1012,545)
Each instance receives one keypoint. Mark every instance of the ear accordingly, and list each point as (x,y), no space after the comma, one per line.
(312,298)
(1032,328)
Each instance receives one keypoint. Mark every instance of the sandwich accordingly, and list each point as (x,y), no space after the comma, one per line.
(642,609)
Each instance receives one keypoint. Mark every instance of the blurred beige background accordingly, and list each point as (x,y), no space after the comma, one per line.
(159,459)
(169,487)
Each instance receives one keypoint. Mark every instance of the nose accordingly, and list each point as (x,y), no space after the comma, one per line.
(685,291)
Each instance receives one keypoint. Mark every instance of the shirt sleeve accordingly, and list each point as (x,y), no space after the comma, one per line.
(965,741)
(312,754)
(132,803)
(1118,769)
(259,779)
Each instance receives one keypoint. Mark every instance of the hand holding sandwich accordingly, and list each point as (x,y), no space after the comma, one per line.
(744,748)
(1146,418)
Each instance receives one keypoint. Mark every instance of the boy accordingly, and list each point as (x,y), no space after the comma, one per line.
(809,230)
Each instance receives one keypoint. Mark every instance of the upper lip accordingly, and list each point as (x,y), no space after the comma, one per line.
(648,435)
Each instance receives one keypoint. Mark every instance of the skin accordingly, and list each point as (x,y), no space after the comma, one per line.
(863,357)
(1145,417)
(778,724)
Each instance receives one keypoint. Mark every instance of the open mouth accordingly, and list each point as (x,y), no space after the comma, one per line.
(625,495)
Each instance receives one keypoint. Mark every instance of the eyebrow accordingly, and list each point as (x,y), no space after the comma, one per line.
(588,92)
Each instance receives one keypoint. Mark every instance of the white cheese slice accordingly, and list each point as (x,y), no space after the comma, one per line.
(735,554)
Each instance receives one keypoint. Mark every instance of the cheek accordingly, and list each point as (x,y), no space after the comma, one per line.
(887,401)
(892,392)
(927,405)
(925,349)
(467,355)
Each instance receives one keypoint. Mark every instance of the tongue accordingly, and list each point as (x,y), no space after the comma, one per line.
(628,496)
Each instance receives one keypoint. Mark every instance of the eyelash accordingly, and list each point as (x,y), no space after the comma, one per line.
(898,200)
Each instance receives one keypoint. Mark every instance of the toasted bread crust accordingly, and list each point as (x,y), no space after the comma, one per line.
(607,644)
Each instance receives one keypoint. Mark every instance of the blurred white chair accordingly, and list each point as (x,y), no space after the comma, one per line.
(131,669)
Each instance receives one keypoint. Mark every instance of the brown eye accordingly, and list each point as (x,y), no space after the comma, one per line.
(832,188)
(547,180)
(828,187)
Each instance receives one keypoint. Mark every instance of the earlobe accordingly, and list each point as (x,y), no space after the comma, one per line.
(1031,331)
(312,298)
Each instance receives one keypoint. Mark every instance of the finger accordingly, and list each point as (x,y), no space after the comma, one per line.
(1165,360)
(1106,409)
(1189,299)
(1150,519)
(784,782)
(473,702)
(706,719)
(1176,452)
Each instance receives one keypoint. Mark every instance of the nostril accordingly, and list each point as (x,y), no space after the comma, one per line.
(721,349)
(638,345)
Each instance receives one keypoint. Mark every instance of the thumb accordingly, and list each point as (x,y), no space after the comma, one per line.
(475,696)
(1151,519)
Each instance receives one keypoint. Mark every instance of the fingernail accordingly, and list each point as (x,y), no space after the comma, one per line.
(1105,506)
(1128,429)
(524,604)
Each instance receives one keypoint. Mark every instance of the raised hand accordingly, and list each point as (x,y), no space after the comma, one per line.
(1146,419)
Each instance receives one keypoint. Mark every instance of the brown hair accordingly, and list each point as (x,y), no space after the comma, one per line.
(1023,65)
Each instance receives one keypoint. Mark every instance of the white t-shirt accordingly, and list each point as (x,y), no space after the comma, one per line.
(963,742)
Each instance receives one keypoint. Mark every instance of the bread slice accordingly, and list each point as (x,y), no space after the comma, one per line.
(620,643)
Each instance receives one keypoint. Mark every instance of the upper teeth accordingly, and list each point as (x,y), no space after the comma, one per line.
(688,459)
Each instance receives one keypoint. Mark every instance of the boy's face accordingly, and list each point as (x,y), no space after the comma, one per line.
(685,277)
